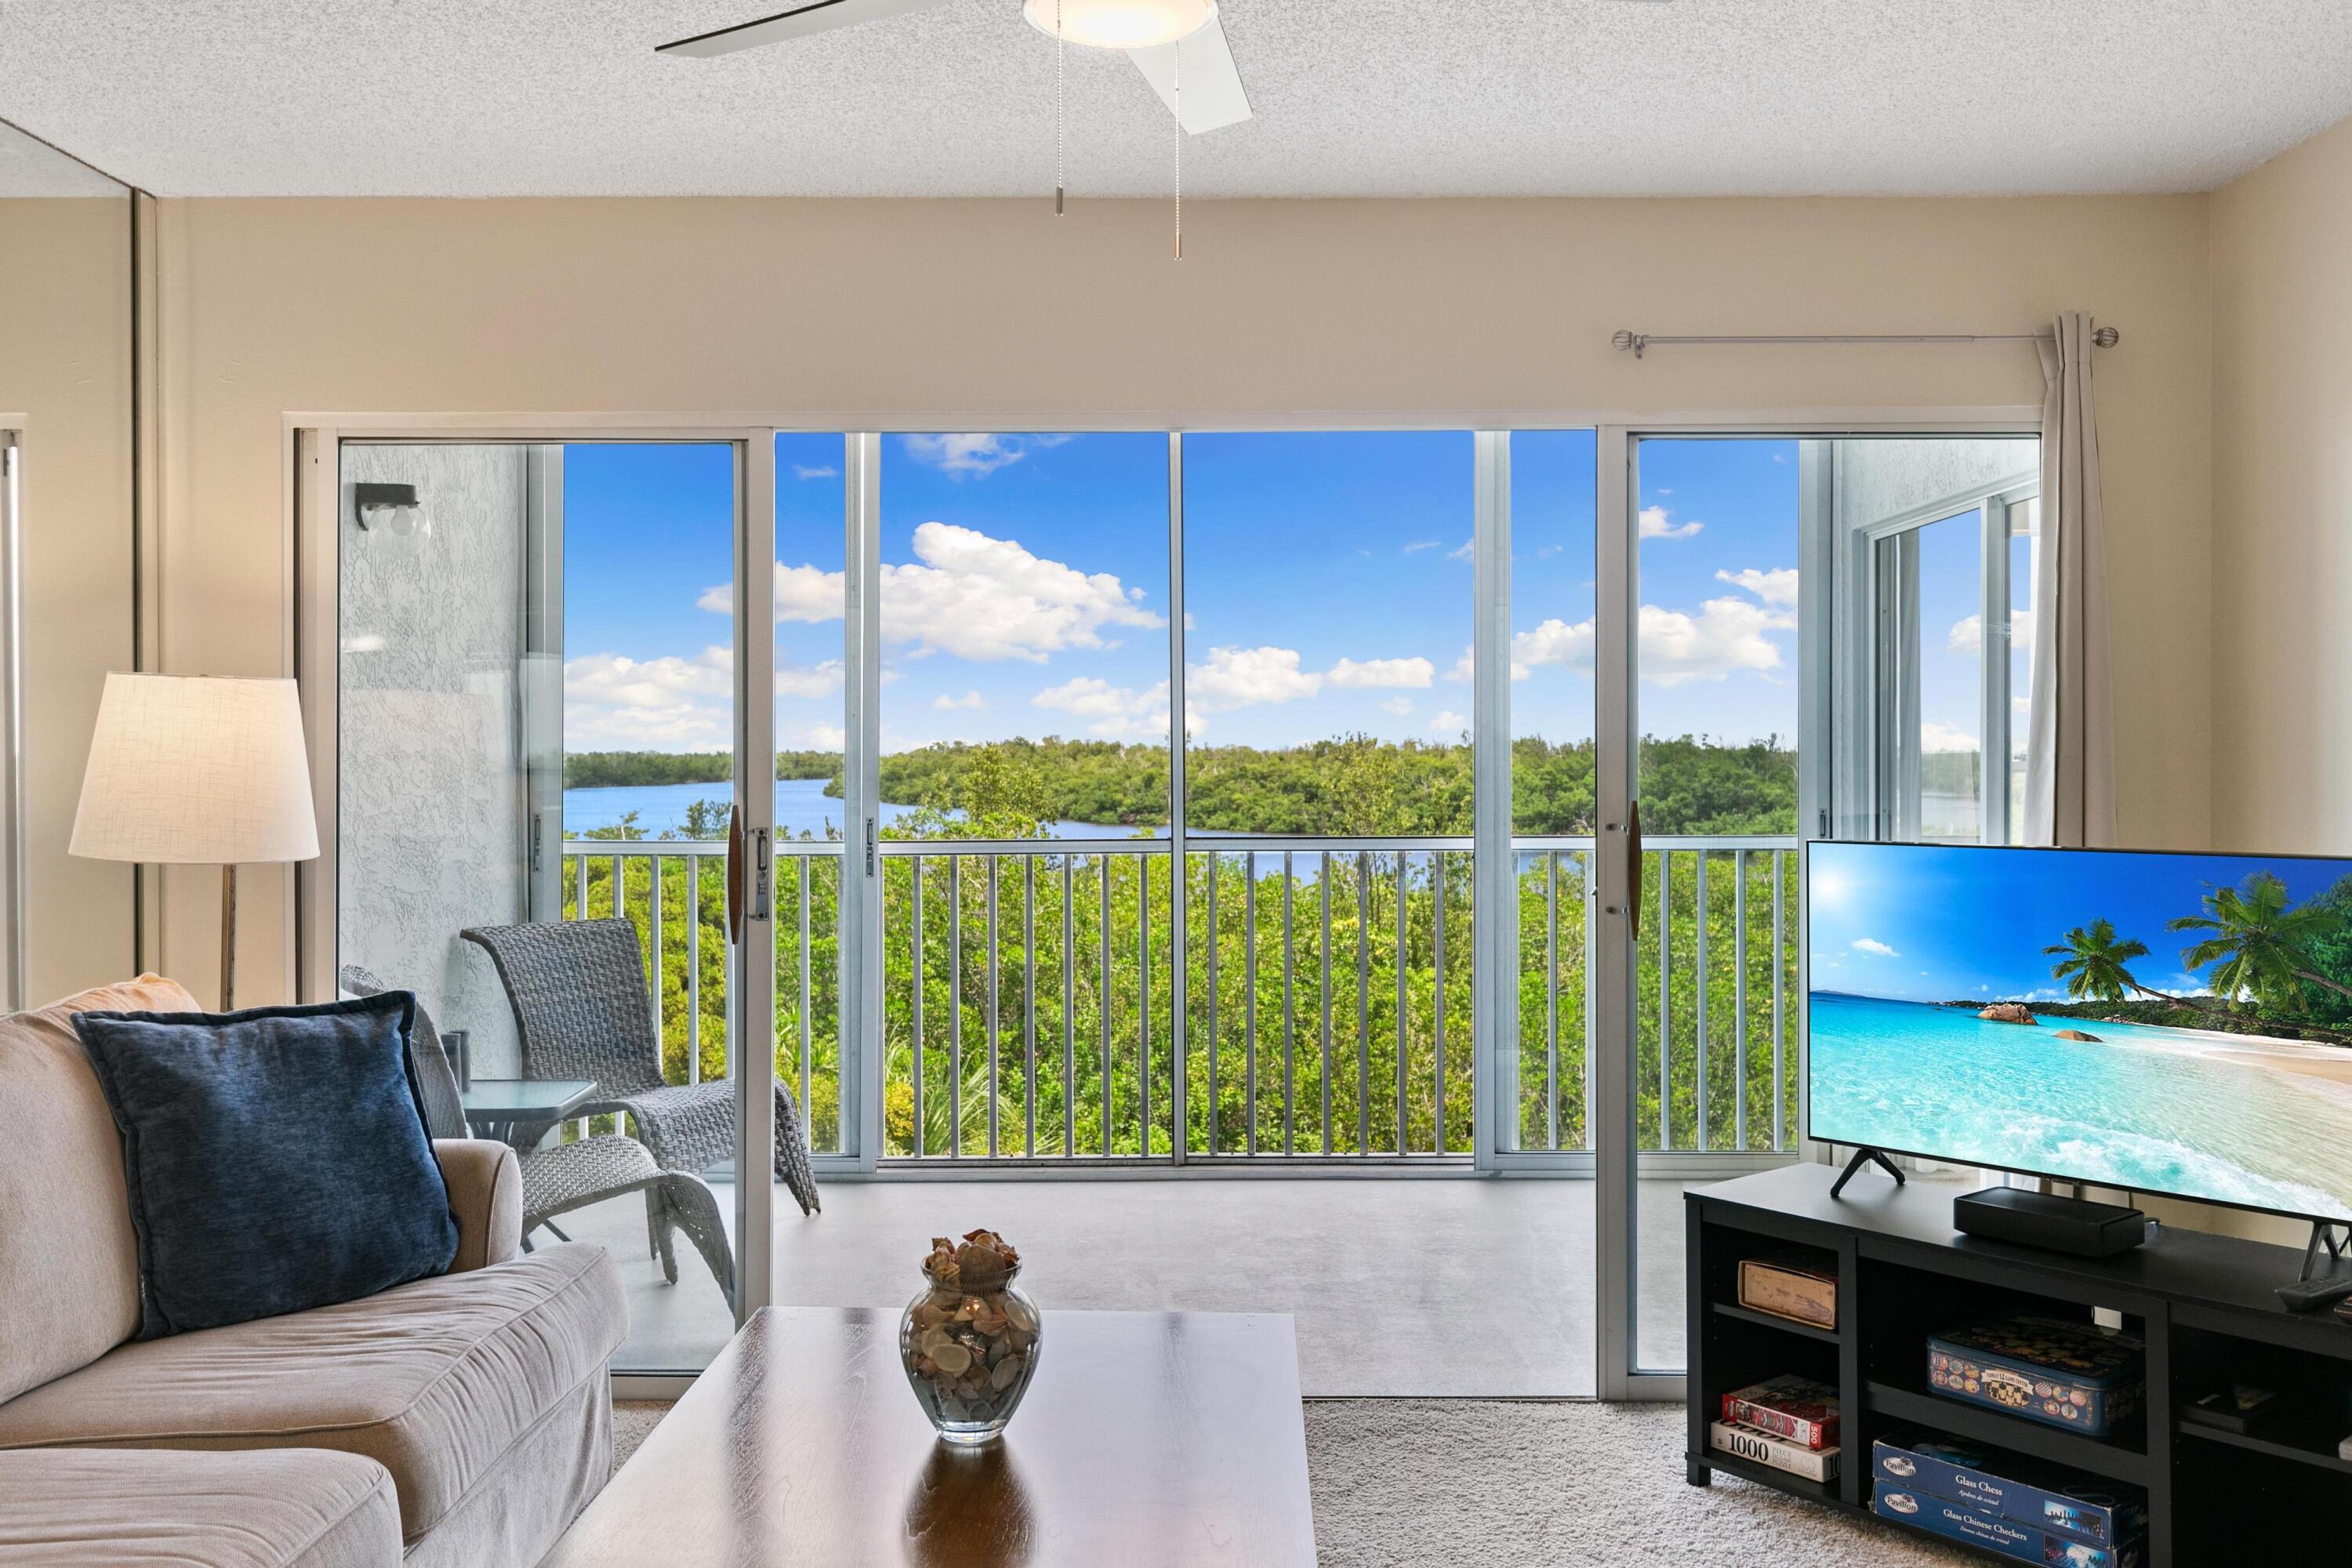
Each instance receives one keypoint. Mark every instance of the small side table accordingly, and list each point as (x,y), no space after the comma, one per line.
(495,1107)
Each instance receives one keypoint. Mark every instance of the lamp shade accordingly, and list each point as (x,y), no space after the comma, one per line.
(196,770)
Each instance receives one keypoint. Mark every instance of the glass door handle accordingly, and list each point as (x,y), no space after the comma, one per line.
(735,874)
(1633,863)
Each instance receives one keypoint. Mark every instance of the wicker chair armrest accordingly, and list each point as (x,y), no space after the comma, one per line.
(484,1196)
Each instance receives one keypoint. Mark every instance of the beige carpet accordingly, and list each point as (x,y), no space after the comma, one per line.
(1437,1483)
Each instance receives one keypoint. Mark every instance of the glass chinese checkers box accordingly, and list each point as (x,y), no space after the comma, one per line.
(970,1338)
(2075,1375)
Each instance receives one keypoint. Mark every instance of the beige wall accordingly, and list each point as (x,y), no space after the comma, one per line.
(2282,742)
(978,312)
(65,373)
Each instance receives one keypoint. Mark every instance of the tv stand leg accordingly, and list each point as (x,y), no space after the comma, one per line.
(1697,1474)
(1864,1155)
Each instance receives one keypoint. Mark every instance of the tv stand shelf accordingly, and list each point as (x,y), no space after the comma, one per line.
(2205,1305)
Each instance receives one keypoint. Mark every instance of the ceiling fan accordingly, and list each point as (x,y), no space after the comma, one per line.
(1178,45)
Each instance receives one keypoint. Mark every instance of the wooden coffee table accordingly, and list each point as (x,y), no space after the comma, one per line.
(1148,1439)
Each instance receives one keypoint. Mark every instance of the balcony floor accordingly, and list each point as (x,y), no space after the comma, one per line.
(1428,1287)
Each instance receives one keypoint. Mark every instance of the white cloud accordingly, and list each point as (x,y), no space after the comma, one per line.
(611,699)
(1655,525)
(972,596)
(1239,676)
(819,471)
(816,737)
(1460,552)
(1117,713)
(1775,585)
(1935,735)
(1726,634)
(819,679)
(945,703)
(1554,644)
(1967,635)
(1416,546)
(1448,722)
(1875,948)
(1372,673)
(974,456)
(1400,706)
(1464,666)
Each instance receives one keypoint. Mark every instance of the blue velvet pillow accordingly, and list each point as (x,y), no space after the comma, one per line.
(276,1157)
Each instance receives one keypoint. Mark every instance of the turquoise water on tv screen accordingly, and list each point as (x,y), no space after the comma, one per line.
(1906,941)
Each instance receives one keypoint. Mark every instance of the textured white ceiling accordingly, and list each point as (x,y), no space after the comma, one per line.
(1353,98)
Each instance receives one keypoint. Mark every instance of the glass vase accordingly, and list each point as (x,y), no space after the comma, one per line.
(970,1355)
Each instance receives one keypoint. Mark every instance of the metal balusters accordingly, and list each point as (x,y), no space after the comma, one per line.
(1323,980)
(1289,1016)
(995,1081)
(1437,1021)
(580,899)
(1103,942)
(1551,999)
(1216,1106)
(955,1005)
(802,868)
(660,967)
(694,969)
(1029,1005)
(1363,1002)
(1780,1002)
(1249,994)
(1403,946)
(917,1016)
(1705,983)
(1069,1012)
(1143,1001)
(1739,988)
(1665,999)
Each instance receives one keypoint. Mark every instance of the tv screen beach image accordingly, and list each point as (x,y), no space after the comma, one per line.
(2175,1024)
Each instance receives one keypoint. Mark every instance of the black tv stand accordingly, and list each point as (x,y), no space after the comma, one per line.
(2205,1305)
(1866,1155)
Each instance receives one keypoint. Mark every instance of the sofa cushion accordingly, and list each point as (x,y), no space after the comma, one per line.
(108,1508)
(69,1284)
(276,1157)
(435,1380)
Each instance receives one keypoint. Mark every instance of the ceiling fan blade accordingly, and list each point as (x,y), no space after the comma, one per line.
(1213,95)
(819,16)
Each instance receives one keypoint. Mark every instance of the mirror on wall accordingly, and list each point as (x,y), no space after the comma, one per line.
(67,479)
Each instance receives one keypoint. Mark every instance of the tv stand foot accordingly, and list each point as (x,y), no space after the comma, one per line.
(1866,1155)
(1697,1474)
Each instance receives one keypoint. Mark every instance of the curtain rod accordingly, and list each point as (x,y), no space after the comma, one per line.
(2105,337)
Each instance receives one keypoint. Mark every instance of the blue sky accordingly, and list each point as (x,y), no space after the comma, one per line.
(1937,924)
(1328,585)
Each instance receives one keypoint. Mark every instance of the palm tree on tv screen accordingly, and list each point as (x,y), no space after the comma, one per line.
(2093,963)
(2263,947)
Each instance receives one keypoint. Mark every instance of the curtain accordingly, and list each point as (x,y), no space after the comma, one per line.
(2070,742)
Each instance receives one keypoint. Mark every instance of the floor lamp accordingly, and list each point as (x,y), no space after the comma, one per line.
(198,770)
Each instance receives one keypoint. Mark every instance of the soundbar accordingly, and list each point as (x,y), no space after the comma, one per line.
(2052,1223)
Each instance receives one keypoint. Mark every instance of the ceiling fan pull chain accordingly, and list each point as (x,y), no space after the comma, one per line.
(1179,152)
(1057,107)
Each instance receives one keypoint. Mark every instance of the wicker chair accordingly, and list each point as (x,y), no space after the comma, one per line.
(578,990)
(573,1175)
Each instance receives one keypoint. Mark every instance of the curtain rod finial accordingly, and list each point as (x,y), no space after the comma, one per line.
(2107,337)
(1634,341)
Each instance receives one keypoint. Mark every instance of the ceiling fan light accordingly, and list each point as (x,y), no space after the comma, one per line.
(1120,23)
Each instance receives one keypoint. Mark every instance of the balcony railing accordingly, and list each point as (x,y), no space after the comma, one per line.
(1028,1005)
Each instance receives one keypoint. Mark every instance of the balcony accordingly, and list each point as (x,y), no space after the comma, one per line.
(1028,1030)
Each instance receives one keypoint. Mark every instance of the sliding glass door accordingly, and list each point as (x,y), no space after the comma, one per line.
(539,718)
(1801,637)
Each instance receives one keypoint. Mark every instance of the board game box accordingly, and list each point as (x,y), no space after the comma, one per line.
(2061,1374)
(1789,1406)
(1992,1531)
(2026,1491)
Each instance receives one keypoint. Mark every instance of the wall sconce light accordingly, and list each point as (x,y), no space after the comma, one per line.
(391,509)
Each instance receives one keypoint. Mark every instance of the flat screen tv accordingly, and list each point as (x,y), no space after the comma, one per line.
(2167,1023)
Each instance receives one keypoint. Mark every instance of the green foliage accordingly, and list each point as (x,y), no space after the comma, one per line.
(2091,962)
(596,770)
(1048,978)
(2261,948)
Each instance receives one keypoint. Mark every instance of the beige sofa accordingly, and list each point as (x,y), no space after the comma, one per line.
(459,1420)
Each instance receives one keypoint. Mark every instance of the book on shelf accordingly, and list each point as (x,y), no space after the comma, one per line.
(1796,1408)
(1768,1448)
